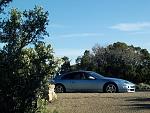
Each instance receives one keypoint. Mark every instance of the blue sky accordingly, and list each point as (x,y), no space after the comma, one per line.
(77,25)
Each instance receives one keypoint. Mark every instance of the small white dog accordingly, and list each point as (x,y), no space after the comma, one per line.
(52,95)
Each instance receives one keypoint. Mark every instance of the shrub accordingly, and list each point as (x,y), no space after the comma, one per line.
(143,87)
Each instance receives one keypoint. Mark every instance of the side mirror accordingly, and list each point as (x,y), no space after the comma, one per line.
(91,78)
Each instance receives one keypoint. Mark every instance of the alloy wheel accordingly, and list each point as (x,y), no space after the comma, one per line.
(59,89)
(111,88)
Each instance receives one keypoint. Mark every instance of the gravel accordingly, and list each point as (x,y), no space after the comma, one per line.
(138,102)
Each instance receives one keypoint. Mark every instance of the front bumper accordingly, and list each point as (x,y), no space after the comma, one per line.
(129,88)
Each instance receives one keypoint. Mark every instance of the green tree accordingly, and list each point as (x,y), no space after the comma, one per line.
(78,63)
(86,61)
(3,3)
(24,71)
(65,67)
(118,60)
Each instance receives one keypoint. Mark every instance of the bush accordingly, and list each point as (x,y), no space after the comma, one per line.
(25,70)
(143,87)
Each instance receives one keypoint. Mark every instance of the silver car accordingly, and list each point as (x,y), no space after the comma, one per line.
(88,81)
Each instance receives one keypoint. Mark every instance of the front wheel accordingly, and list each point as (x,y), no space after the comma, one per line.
(111,88)
(59,88)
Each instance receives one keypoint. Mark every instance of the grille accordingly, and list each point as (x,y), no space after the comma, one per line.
(132,86)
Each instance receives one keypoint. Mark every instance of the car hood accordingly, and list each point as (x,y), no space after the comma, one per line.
(118,80)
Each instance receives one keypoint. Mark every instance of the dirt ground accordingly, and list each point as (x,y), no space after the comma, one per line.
(138,102)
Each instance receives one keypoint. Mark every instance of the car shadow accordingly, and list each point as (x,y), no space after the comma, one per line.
(139,103)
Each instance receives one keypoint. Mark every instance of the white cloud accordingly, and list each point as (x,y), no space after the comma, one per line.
(69,52)
(72,54)
(76,35)
(140,32)
(131,26)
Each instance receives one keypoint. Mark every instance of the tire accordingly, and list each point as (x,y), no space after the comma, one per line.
(110,88)
(59,88)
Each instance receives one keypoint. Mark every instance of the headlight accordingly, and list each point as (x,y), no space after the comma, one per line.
(126,82)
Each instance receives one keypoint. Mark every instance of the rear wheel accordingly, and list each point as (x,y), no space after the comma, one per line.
(59,88)
(110,88)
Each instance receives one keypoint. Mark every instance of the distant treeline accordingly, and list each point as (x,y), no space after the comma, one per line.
(116,60)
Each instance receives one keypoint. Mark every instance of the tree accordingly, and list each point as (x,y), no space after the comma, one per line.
(3,3)
(24,71)
(118,60)
(65,67)
(86,61)
(78,63)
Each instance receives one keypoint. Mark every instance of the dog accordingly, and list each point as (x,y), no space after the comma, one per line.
(51,93)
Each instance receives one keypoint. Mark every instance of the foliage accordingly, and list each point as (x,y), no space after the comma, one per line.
(143,86)
(55,111)
(25,71)
(41,106)
(117,60)
(3,3)
(86,61)
(65,67)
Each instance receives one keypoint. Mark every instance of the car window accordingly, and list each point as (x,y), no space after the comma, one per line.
(96,74)
(76,76)
(88,76)
(66,77)
(72,76)
(84,76)
(80,76)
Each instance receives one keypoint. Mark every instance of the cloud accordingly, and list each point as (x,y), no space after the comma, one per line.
(131,26)
(69,52)
(76,35)
(72,54)
(140,32)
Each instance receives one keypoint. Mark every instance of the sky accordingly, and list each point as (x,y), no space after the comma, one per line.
(78,25)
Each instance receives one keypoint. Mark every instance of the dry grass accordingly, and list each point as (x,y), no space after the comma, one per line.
(138,102)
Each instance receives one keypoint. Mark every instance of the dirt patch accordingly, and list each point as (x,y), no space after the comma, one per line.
(138,102)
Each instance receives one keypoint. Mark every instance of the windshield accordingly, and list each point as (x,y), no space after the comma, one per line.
(96,74)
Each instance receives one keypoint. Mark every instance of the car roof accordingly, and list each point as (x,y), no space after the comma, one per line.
(76,72)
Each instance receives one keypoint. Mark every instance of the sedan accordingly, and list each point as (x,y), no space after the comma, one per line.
(88,81)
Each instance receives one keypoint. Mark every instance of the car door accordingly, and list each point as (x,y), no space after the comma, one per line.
(81,82)
(66,81)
